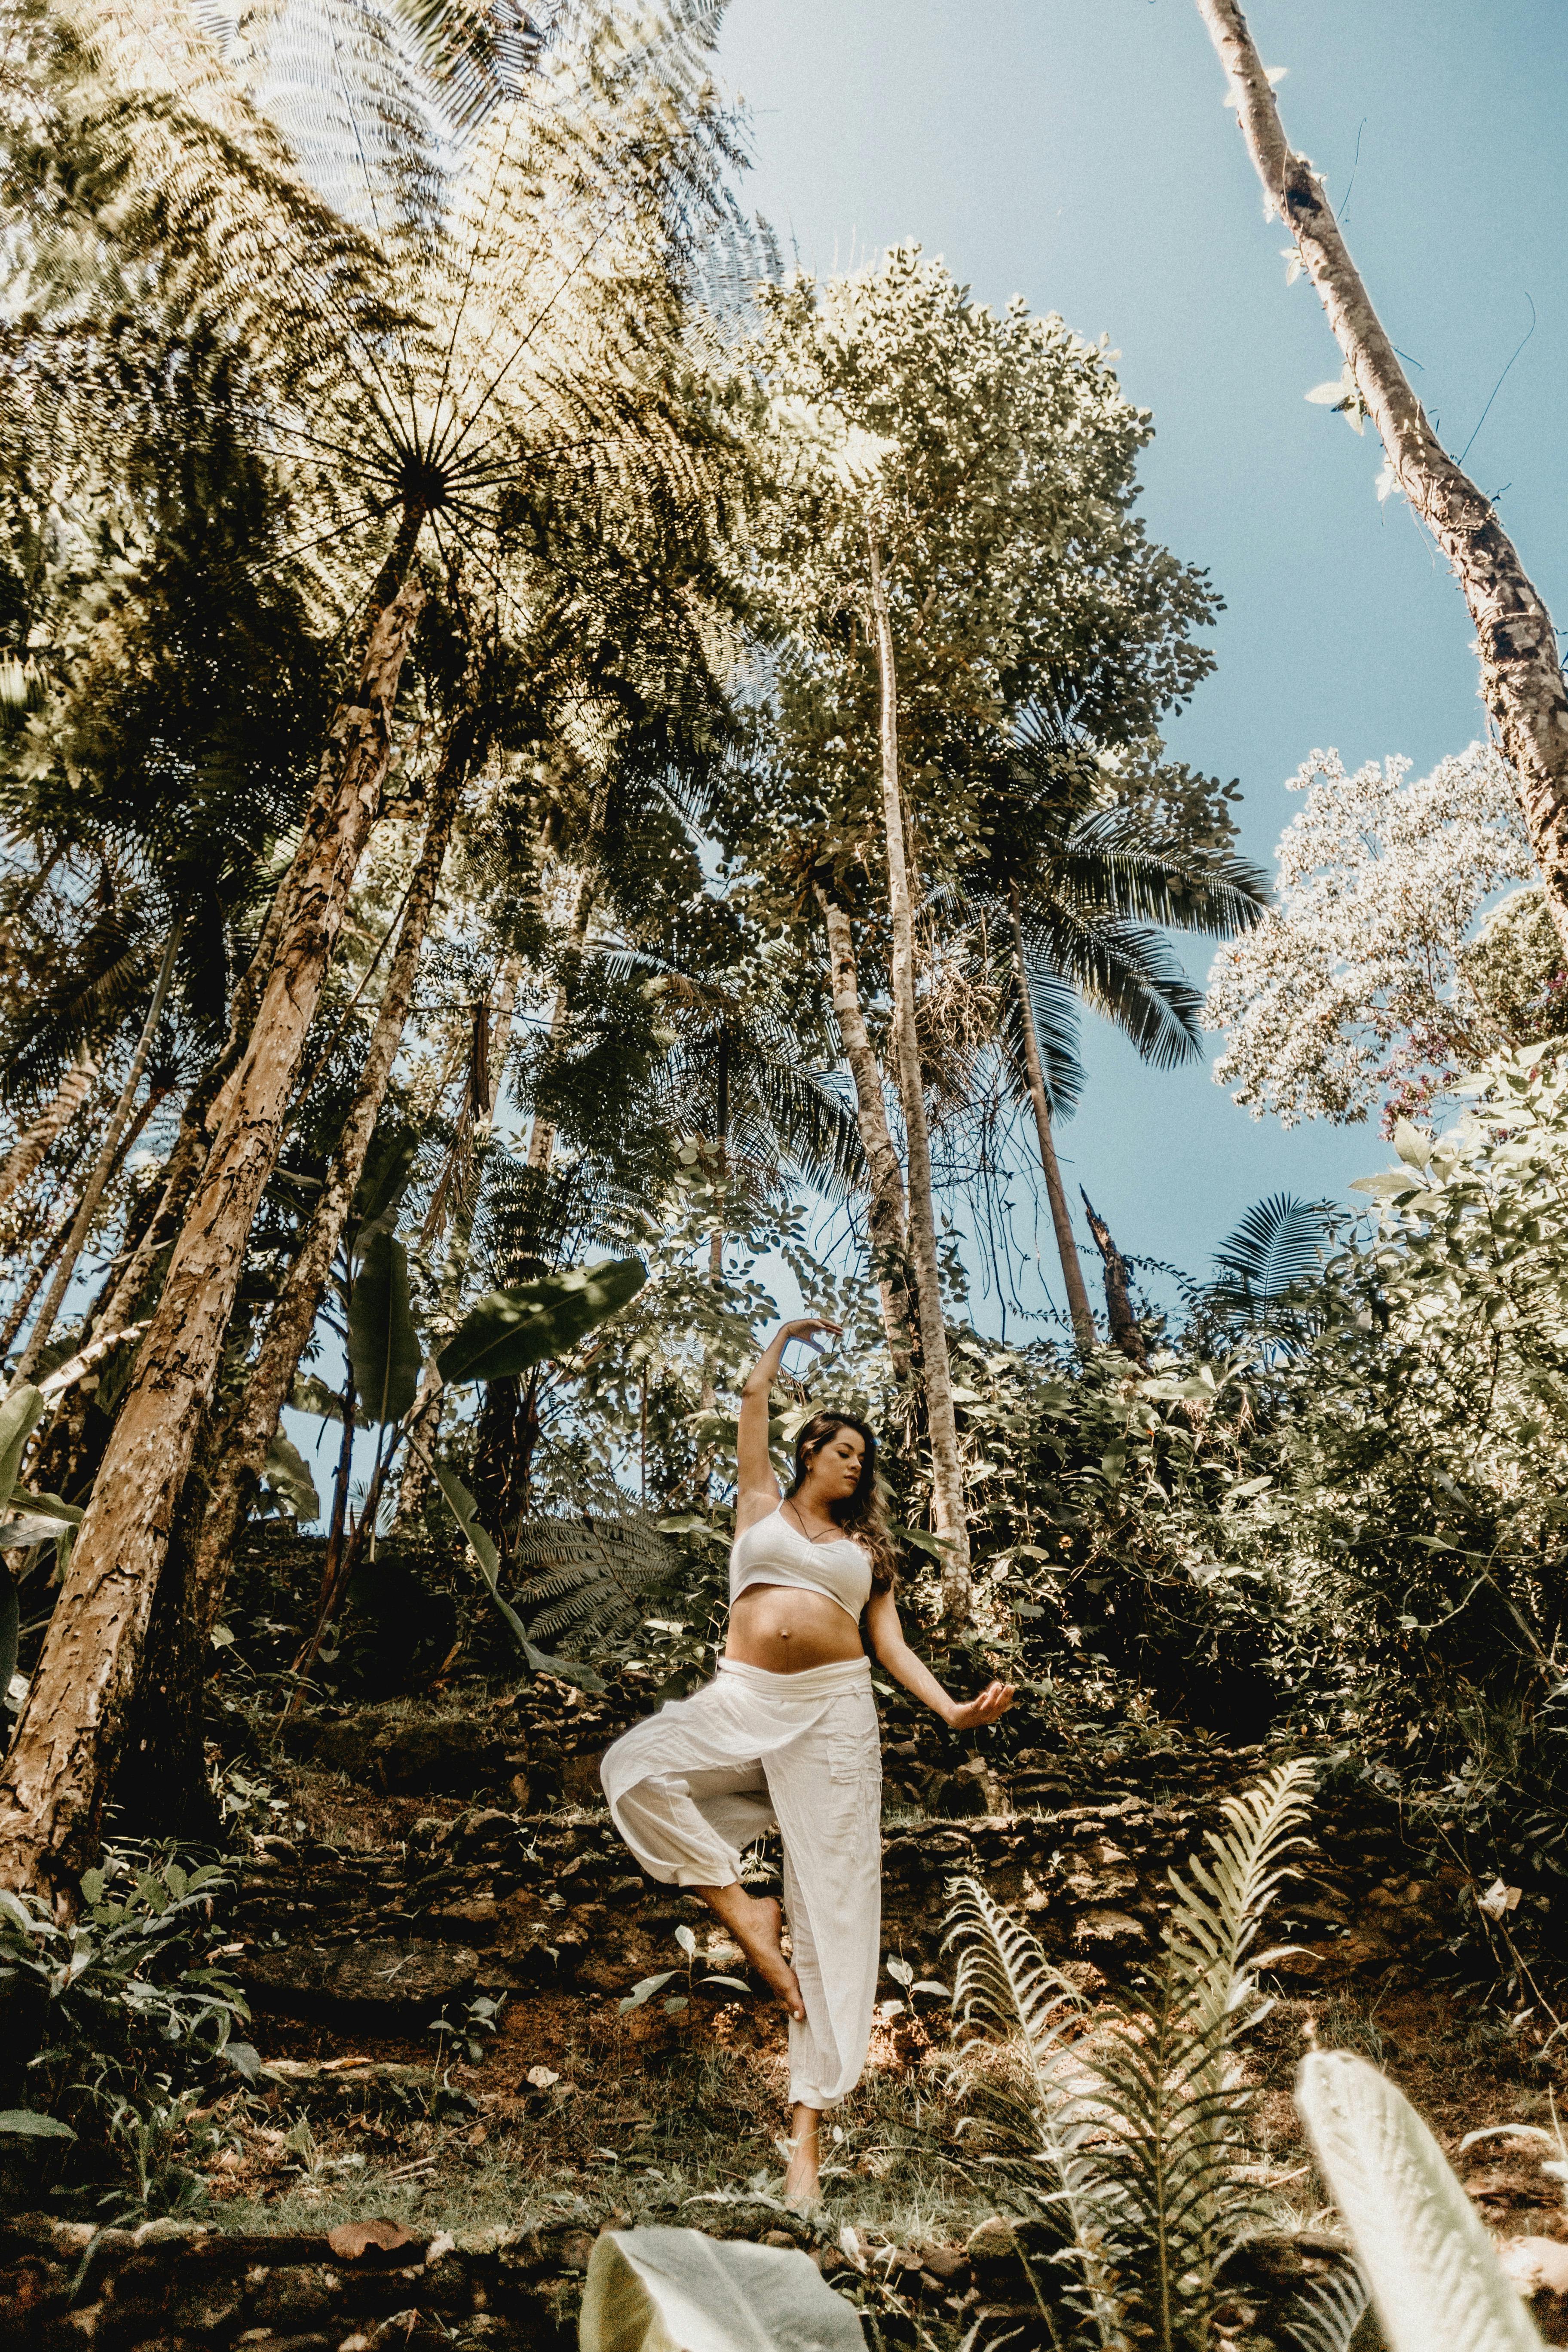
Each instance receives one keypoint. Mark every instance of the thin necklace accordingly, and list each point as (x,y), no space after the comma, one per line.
(791,1505)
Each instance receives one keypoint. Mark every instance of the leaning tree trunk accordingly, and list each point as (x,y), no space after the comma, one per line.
(1121,1320)
(245,1438)
(1521,673)
(198,1123)
(1034,1070)
(54,1781)
(27,1152)
(107,1161)
(885,1214)
(947,1469)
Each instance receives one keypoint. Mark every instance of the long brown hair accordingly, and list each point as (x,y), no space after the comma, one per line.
(860,1514)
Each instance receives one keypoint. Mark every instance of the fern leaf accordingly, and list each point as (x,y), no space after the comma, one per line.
(595,1575)
(1004,1975)
(1326,2313)
(1436,2281)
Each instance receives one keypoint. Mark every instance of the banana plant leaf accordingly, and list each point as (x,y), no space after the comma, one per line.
(465,1510)
(677,2291)
(20,1417)
(384,1180)
(509,1332)
(384,1346)
(288,1474)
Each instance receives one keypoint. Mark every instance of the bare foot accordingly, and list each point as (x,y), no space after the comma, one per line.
(756,1922)
(758,1929)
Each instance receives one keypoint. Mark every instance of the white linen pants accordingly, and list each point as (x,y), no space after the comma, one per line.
(751,1751)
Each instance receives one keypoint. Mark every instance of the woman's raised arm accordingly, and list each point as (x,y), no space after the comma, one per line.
(758,1489)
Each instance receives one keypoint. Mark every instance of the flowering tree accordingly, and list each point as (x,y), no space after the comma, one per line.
(1369,978)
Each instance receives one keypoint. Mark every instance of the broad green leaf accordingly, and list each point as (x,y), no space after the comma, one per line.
(645,1990)
(384,1180)
(384,1346)
(509,1332)
(18,1418)
(21,2123)
(1433,2272)
(676,2290)
(288,1472)
(51,1507)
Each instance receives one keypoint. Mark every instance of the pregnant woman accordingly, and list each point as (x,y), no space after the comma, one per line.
(786,1736)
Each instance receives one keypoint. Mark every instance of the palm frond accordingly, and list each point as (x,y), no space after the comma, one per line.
(1277,1243)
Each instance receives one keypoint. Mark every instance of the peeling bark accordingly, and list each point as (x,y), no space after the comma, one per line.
(947,1468)
(73,1721)
(1522,674)
(1121,1320)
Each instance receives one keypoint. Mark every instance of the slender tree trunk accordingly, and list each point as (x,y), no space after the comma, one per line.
(199,1121)
(947,1468)
(30,1290)
(108,1158)
(1034,1069)
(541,1135)
(1521,673)
(55,1241)
(1119,1319)
(248,1436)
(53,1783)
(65,1457)
(28,1150)
(885,1213)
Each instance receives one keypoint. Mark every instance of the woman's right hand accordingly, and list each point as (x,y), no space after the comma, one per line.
(803,1326)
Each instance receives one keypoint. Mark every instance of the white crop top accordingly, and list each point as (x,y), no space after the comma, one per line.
(772,1551)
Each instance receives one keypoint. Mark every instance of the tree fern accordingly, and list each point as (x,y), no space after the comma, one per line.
(1326,2313)
(594,1577)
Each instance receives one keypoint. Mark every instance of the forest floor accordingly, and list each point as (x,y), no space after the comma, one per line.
(439,1933)
(388,1898)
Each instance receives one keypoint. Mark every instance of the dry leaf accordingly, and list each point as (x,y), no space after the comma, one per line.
(540,2077)
(1498,1899)
(349,2240)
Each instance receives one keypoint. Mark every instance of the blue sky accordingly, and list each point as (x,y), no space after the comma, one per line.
(1077,153)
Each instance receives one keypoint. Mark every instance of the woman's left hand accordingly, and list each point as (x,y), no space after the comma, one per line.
(993,1701)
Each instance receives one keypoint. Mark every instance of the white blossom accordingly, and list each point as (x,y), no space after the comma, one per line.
(1365,981)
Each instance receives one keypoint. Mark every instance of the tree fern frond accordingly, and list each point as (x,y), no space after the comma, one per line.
(1004,1975)
(595,1576)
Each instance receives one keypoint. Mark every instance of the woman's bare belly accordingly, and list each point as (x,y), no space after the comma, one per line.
(784,1630)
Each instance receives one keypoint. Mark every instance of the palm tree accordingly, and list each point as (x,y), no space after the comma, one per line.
(1084,891)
